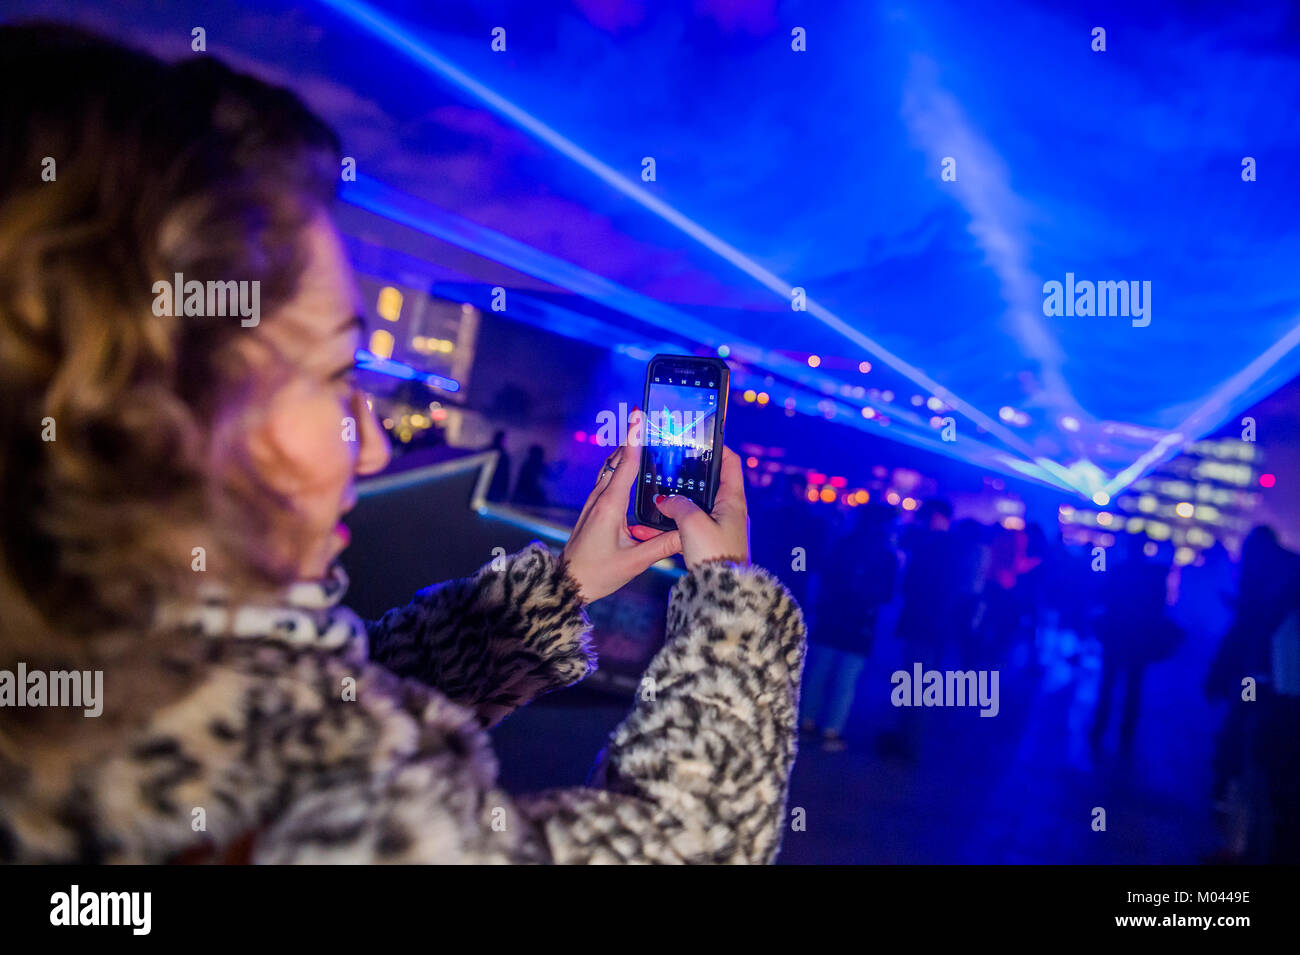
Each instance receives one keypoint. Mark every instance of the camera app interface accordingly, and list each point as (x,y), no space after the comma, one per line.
(680,418)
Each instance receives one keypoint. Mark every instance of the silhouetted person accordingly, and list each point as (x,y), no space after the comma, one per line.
(790,537)
(1004,600)
(971,556)
(1266,583)
(1032,589)
(1134,621)
(927,620)
(1260,737)
(929,579)
(858,580)
(1205,594)
(528,488)
(1077,587)
(499,490)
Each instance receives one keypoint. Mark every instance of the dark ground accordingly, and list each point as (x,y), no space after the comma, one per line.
(1016,788)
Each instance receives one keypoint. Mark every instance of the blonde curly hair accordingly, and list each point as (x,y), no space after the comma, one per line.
(108,411)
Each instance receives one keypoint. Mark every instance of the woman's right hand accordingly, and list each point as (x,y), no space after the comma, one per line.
(722,535)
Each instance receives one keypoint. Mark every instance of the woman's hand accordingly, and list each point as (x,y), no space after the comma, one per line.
(602,554)
(724,534)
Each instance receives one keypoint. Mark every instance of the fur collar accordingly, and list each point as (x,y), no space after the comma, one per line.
(307,613)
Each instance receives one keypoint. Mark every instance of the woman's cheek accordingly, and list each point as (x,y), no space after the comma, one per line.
(333,439)
(311,433)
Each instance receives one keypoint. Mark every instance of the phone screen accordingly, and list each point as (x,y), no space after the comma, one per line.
(681,413)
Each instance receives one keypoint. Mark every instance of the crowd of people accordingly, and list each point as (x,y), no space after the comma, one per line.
(967,595)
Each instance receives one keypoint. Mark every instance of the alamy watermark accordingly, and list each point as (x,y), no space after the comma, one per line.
(669,428)
(133,910)
(1123,298)
(74,688)
(211,299)
(924,687)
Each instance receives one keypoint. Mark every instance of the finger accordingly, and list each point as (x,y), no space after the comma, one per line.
(636,431)
(732,473)
(643,533)
(658,548)
(640,557)
(682,510)
(620,484)
(731,486)
(602,481)
(635,427)
(587,507)
(609,466)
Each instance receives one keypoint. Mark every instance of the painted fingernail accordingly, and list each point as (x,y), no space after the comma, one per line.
(660,498)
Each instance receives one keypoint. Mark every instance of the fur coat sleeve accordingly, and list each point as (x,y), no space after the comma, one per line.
(494,641)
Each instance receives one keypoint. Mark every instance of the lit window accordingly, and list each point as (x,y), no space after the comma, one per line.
(389,305)
(381,343)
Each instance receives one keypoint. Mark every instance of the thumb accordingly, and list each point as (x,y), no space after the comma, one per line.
(680,508)
(658,548)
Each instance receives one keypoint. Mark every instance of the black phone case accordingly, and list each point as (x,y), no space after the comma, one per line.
(648,514)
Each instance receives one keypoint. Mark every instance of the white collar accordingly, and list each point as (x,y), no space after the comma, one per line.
(307,613)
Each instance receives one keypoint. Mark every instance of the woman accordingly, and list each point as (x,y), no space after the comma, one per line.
(172,487)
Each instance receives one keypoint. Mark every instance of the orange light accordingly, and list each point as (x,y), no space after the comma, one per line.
(814,361)
(389,305)
(812,494)
(909,504)
(893,498)
(752,461)
(763,398)
(828,495)
(381,343)
(864,366)
(750,395)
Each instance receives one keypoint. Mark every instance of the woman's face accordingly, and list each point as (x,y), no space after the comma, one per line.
(316,433)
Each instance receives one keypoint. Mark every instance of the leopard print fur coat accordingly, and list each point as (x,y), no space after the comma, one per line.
(309,736)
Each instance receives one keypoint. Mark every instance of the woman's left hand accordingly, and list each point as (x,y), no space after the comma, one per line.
(602,554)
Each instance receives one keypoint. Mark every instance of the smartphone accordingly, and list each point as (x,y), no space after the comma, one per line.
(685,411)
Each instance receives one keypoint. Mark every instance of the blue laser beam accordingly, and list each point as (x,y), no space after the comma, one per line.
(369,361)
(388,30)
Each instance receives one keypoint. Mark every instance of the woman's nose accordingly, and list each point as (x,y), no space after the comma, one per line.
(375,451)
